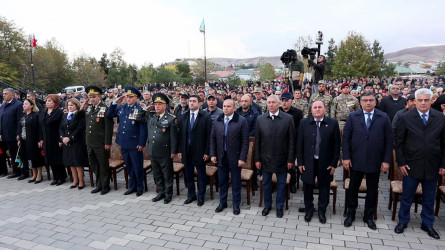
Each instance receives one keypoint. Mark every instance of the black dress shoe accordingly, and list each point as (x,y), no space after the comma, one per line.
(308,215)
(280,213)
(348,221)
(32,180)
(22,177)
(60,182)
(129,191)
(220,208)
(54,182)
(200,202)
(167,199)
(104,191)
(370,223)
(73,186)
(13,176)
(189,200)
(431,232)
(236,210)
(158,197)
(80,187)
(38,181)
(399,228)
(322,217)
(266,211)
(139,193)
(301,209)
(96,190)
(293,189)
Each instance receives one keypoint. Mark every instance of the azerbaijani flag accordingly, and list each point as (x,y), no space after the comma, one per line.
(202,28)
(18,160)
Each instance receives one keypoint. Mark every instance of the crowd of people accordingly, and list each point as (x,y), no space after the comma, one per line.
(298,131)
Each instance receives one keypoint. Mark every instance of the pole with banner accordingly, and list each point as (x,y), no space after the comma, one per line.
(202,29)
(33,44)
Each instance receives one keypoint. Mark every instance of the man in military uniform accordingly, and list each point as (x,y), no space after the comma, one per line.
(259,100)
(342,105)
(176,100)
(146,96)
(299,103)
(110,98)
(162,145)
(183,106)
(98,138)
(131,136)
(321,96)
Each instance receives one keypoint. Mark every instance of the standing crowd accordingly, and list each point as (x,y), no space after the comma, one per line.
(307,132)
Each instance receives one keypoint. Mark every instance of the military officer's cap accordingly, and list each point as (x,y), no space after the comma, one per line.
(185,95)
(346,84)
(132,91)
(159,97)
(93,90)
(287,95)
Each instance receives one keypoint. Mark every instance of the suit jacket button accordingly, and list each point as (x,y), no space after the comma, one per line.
(153,141)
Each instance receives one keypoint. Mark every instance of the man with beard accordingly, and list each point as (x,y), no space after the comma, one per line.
(180,110)
(321,96)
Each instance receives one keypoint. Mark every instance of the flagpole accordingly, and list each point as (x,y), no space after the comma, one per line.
(32,66)
(205,59)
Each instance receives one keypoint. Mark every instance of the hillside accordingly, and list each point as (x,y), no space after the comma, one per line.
(416,54)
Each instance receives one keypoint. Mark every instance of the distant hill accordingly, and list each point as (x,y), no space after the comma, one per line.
(274,60)
(416,54)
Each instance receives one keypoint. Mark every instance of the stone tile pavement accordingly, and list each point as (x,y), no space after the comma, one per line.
(48,217)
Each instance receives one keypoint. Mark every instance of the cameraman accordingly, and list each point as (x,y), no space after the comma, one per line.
(297,72)
(319,71)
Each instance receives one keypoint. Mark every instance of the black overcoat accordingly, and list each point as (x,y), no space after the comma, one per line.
(75,153)
(49,129)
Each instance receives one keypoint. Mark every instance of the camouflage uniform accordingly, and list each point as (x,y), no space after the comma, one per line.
(301,105)
(263,104)
(341,107)
(175,101)
(325,98)
(109,100)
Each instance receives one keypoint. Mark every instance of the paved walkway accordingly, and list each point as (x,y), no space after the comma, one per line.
(46,217)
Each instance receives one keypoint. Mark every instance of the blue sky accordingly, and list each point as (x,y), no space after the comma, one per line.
(161,31)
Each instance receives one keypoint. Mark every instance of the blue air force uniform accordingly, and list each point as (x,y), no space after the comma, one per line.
(131,133)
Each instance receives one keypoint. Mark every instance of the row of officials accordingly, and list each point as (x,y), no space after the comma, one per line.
(367,143)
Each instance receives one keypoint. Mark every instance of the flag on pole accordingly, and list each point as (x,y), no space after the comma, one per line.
(18,160)
(34,41)
(202,28)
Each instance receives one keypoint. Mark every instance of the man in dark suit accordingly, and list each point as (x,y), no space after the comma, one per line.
(229,145)
(318,149)
(367,150)
(131,136)
(420,148)
(11,112)
(194,147)
(274,151)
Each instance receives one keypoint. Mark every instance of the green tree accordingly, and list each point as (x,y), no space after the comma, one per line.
(233,80)
(104,63)
(183,69)
(87,71)
(164,75)
(353,58)
(145,74)
(52,69)
(330,58)
(440,70)
(198,70)
(267,72)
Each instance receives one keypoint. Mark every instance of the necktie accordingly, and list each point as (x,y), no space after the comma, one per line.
(226,125)
(273,117)
(70,117)
(368,120)
(317,141)
(192,121)
(424,119)
(93,109)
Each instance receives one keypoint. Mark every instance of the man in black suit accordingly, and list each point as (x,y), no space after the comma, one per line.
(420,153)
(274,151)
(318,149)
(11,112)
(194,147)
(367,150)
(229,145)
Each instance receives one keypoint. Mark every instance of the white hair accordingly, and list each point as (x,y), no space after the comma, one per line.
(276,97)
(424,91)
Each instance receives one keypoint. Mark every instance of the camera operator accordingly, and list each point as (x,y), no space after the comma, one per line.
(297,71)
(319,68)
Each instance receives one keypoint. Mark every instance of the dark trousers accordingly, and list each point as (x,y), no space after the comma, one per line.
(428,193)
(134,161)
(12,147)
(372,185)
(3,165)
(323,196)
(223,177)
(190,176)
(59,172)
(293,176)
(98,158)
(163,174)
(281,189)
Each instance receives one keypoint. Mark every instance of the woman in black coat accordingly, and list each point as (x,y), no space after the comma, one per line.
(72,133)
(30,153)
(51,142)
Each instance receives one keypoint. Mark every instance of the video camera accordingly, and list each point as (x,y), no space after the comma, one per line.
(288,56)
(306,52)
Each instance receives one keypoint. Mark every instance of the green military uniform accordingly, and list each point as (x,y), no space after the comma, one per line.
(99,131)
(341,106)
(301,105)
(162,143)
(325,98)
(176,101)
(109,101)
(263,104)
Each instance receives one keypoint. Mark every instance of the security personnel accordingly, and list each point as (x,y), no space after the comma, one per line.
(162,145)
(98,138)
(259,100)
(131,136)
(343,105)
(321,96)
